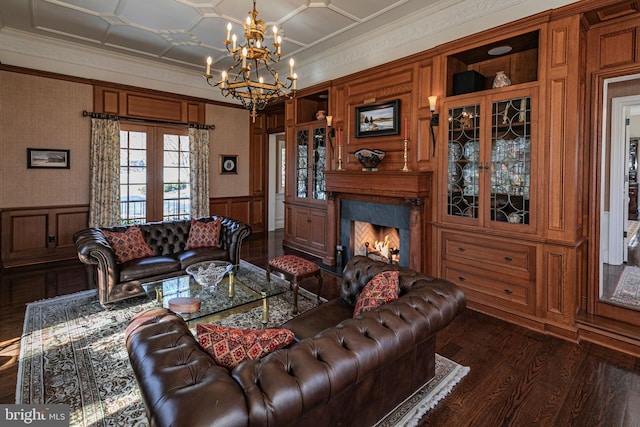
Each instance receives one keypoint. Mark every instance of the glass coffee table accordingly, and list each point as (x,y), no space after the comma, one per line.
(235,293)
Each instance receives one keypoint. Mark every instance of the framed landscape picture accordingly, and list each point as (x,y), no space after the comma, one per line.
(378,119)
(47,158)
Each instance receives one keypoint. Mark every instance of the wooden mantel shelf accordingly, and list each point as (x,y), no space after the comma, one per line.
(380,183)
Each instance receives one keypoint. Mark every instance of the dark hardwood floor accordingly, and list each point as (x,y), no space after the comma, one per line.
(518,377)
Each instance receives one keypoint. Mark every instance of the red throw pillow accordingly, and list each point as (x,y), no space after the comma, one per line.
(384,287)
(204,234)
(230,346)
(129,244)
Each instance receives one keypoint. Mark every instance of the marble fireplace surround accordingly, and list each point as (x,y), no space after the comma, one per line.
(390,198)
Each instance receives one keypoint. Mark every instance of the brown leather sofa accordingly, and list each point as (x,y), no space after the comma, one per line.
(350,374)
(116,281)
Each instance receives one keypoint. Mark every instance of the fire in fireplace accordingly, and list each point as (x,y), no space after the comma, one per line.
(376,241)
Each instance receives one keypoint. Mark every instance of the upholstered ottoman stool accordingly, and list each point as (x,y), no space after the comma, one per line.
(294,269)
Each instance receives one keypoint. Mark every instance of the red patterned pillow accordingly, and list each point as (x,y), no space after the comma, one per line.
(129,244)
(384,287)
(230,346)
(204,234)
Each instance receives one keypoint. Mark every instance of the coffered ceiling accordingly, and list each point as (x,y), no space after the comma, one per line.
(184,33)
(163,44)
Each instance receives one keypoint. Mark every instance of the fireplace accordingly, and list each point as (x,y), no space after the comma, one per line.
(375,241)
(367,222)
(395,203)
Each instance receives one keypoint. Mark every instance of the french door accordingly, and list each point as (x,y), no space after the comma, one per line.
(154,173)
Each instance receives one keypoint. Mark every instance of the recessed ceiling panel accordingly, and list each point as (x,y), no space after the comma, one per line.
(268,10)
(98,6)
(196,55)
(362,9)
(160,14)
(212,31)
(50,17)
(314,24)
(15,14)
(137,40)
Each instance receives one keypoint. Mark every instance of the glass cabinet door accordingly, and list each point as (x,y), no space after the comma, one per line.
(319,160)
(511,161)
(464,163)
(302,167)
(310,163)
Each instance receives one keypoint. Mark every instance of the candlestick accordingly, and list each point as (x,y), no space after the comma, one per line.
(406,129)
(339,136)
(405,168)
(340,158)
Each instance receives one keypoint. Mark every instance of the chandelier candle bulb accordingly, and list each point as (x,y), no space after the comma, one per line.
(209,61)
(228,32)
(234,38)
(244,57)
(291,62)
(279,44)
(295,79)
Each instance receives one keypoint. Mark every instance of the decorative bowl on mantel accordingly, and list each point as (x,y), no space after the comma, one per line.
(369,158)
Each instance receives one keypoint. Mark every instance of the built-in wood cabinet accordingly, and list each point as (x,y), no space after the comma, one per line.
(491,160)
(496,203)
(307,160)
(40,234)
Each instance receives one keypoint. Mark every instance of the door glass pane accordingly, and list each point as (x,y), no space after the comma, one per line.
(176,194)
(133,177)
(302,141)
(511,160)
(319,156)
(463,163)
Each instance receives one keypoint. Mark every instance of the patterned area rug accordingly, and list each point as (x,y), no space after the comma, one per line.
(73,352)
(627,290)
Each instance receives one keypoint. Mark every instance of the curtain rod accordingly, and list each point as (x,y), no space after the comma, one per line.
(93,115)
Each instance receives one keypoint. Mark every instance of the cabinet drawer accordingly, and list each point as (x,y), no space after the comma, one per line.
(507,257)
(493,290)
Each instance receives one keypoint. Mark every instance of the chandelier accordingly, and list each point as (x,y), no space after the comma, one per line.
(252,78)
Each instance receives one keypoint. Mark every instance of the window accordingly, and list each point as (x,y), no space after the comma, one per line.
(154,173)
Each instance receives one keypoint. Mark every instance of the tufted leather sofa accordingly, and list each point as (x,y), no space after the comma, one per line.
(167,239)
(350,374)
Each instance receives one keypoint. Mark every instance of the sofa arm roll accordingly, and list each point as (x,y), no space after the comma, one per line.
(94,249)
(232,234)
(180,383)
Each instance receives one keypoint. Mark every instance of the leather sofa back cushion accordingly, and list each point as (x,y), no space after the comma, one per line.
(204,234)
(383,288)
(230,346)
(128,245)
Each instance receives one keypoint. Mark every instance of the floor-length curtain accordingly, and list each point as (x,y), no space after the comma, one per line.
(199,168)
(104,170)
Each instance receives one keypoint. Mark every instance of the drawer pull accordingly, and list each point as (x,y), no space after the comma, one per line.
(508,259)
(462,279)
(461,249)
(508,291)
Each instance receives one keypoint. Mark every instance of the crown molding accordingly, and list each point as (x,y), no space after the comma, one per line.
(27,50)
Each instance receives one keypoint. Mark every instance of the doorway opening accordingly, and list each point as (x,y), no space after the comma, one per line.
(620,246)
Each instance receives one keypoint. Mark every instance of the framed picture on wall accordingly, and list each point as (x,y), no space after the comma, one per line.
(48,158)
(378,119)
(228,163)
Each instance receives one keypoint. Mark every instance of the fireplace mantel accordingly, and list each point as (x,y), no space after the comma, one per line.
(412,185)
(390,187)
